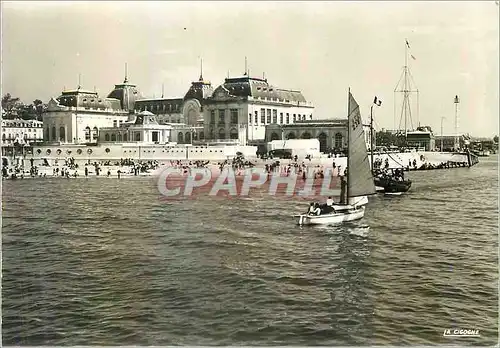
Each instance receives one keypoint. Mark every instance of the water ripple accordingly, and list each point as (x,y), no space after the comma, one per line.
(88,262)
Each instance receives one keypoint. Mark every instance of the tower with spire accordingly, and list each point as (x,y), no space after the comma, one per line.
(200,89)
(127,93)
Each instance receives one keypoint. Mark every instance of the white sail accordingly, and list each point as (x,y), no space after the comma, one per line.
(359,174)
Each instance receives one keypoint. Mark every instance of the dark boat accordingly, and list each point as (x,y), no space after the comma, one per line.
(390,183)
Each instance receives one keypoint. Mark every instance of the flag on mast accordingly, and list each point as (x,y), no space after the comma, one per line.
(407,44)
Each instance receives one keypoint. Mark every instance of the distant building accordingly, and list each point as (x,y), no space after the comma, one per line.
(20,133)
(331,133)
(145,128)
(77,116)
(187,110)
(242,107)
(448,142)
(421,139)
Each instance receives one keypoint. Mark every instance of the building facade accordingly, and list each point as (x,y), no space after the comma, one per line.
(331,133)
(77,116)
(145,128)
(18,133)
(241,108)
(421,139)
(187,110)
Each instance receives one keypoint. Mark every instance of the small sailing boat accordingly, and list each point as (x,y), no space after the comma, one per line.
(359,176)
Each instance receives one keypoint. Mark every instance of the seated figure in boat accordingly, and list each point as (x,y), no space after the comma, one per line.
(327,208)
(314,209)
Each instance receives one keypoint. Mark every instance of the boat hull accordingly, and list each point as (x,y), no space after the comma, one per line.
(331,219)
(392,186)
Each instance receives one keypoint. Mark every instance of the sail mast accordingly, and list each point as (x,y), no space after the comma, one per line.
(348,143)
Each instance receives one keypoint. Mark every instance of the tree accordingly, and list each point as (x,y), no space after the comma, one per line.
(9,104)
(39,108)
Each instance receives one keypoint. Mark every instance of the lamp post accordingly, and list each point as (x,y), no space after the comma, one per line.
(442,118)
(456,101)
(376,102)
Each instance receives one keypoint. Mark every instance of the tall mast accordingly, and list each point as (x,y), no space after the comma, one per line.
(201,69)
(348,143)
(371,138)
(406,86)
(457,141)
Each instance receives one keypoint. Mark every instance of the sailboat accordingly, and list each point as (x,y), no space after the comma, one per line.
(359,176)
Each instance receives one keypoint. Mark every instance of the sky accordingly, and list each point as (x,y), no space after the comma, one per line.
(319,48)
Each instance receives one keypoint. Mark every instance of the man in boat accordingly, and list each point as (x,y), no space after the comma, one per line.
(314,209)
(343,185)
(329,202)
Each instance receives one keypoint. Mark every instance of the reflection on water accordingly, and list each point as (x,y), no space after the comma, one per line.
(101,262)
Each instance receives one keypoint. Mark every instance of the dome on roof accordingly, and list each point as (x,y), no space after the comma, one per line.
(127,94)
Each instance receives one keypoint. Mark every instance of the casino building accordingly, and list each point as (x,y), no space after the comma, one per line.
(242,107)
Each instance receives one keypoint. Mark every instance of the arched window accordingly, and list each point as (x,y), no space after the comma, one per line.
(62,134)
(87,133)
(119,137)
(180,138)
(53,133)
(113,137)
(95,133)
(138,136)
(47,134)
(4,137)
(125,137)
(187,138)
(106,137)
(222,134)
(274,136)
(202,135)
(291,136)
(233,133)
(306,135)
(338,141)
(322,142)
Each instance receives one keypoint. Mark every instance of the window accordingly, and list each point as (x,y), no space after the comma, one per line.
(294,117)
(275,116)
(87,133)
(287,118)
(268,116)
(222,134)
(155,136)
(115,123)
(234,116)
(281,118)
(310,116)
(113,137)
(256,119)
(249,118)
(62,134)
(53,134)
(137,136)
(106,137)
(222,116)
(262,116)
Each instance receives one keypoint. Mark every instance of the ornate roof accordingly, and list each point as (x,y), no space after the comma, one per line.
(256,87)
(127,94)
(199,90)
(146,118)
(87,99)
